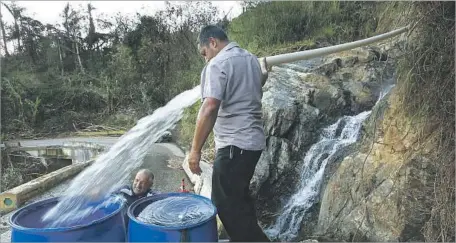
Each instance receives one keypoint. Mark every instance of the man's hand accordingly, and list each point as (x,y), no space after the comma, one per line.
(194,162)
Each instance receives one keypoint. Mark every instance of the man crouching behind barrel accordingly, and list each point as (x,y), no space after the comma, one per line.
(231,90)
(140,187)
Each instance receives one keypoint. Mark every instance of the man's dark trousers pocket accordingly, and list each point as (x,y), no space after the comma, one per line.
(232,171)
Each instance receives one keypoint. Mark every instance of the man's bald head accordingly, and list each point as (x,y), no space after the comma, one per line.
(144,180)
(147,173)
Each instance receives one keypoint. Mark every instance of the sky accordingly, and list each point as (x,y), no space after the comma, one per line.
(48,12)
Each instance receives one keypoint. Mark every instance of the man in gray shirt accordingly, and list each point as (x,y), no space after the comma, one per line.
(231,90)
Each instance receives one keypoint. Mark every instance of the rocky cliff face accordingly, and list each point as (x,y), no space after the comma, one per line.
(302,98)
(382,190)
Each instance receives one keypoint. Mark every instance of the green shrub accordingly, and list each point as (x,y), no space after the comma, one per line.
(272,23)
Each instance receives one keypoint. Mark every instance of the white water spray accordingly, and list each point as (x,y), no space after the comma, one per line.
(112,168)
(333,138)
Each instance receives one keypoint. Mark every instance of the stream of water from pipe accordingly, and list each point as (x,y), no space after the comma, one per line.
(112,168)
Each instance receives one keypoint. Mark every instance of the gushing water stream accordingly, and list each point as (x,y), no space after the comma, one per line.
(333,138)
(113,167)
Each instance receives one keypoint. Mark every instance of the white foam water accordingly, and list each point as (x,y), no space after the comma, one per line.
(112,168)
(331,141)
(333,138)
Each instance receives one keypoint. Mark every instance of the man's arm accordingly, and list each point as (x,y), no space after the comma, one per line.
(213,93)
(205,123)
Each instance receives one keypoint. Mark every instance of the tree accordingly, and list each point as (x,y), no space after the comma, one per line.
(2,27)
(16,12)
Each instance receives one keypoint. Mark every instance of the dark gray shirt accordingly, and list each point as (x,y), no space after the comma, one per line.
(234,77)
(131,197)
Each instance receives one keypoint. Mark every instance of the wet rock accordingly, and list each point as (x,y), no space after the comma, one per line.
(349,61)
(382,190)
(299,100)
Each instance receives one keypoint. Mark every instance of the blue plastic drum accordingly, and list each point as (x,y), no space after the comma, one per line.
(173,229)
(106,224)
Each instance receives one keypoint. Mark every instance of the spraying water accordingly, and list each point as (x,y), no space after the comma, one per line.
(112,168)
(333,138)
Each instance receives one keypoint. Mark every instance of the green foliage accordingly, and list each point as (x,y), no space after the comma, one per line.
(59,79)
(121,119)
(272,23)
(188,124)
(187,130)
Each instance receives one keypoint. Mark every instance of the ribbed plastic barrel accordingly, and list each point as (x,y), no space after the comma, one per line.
(105,225)
(205,230)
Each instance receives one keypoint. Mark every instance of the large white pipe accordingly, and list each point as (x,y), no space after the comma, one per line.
(303,55)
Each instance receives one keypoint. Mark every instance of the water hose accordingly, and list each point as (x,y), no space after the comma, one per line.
(269,61)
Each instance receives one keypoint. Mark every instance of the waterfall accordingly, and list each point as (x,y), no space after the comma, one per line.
(332,139)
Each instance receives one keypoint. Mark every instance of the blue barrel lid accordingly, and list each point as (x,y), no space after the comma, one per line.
(43,203)
(154,198)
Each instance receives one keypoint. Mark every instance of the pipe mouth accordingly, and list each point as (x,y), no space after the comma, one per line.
(28,218)
(139,205)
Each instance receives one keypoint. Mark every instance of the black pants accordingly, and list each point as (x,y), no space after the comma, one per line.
(232,171)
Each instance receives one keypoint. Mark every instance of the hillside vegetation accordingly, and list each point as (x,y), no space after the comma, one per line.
(91,70)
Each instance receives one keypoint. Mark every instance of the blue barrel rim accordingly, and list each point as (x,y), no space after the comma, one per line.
(133,206)
(17,212)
